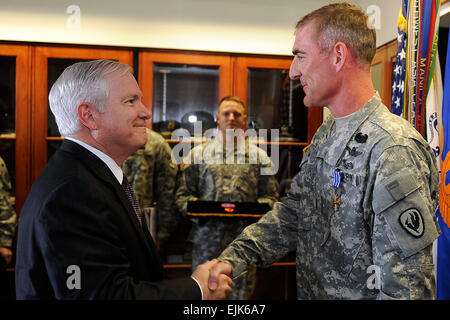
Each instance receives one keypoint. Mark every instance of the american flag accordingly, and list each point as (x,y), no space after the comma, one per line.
(417,27)
(398,87)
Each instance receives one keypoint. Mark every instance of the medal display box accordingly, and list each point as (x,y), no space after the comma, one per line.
(208,209)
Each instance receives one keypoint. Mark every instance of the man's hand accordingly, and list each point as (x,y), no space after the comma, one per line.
(223,283)
(217,271)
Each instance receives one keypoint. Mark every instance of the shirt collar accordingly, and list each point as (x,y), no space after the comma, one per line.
(112,165)
(219,146)
(352,121)
(347,130)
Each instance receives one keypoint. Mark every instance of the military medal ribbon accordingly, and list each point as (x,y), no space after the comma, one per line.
(336,202)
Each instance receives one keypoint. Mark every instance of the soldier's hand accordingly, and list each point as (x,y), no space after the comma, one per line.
(219,269)
(223,282)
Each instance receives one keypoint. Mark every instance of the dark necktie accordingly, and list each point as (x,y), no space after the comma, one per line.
(132,197)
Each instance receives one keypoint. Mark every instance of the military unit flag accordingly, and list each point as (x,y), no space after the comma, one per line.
(417,96)
(443,211)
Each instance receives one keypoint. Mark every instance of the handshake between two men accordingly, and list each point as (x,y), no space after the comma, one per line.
(214,278)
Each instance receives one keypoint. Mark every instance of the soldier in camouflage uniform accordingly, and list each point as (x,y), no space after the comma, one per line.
(152,174)
(215,173)
(7,215)
(360,213)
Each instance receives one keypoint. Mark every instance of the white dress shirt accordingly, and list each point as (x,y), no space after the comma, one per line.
(112,165)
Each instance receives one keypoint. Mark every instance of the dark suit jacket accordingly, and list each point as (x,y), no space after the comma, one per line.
(78,214)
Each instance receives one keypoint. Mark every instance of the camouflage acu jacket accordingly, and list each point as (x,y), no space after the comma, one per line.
(212,174)
(209,176)
(7,212)
(152,174)
(360,213)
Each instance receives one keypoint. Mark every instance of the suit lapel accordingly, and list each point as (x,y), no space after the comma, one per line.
(101,170)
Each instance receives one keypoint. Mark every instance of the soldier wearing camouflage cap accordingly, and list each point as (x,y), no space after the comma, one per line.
(360,213)
(221,170)
(7,215)
(152,174)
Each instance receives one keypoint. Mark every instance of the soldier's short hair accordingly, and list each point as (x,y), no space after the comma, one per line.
(233,98)
(346,23)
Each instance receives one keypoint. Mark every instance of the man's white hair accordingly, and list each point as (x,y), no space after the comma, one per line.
(81,82)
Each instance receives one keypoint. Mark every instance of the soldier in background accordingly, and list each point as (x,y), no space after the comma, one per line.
(360,213)
(7,216)
(209,176)
(152,174)
(7,225)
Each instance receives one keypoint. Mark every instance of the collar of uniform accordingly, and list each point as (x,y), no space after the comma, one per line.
(351,124)
(219,148)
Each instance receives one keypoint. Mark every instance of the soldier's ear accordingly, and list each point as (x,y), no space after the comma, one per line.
(339,55)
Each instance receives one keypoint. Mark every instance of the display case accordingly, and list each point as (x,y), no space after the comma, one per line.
(181,88)
(15,117)
(274,101)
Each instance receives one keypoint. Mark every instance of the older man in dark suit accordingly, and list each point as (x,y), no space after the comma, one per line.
(81,234)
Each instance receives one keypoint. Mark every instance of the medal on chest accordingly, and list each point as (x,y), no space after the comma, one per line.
(336,201)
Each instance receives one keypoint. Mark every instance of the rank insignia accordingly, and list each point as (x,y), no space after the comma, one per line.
(347,164)
(361,137)
(353,152)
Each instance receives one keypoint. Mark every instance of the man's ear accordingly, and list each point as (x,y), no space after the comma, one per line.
(340,55)
(86,115)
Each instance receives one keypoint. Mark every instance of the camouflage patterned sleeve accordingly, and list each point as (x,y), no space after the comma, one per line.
(272,237)
(165,180)
(7,212)
(267,185)
(403,224)
(187,186)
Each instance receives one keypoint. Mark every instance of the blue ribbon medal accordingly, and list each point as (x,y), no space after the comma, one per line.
(336,201)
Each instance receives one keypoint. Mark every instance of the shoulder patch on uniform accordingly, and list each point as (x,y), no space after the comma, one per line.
(412,221)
